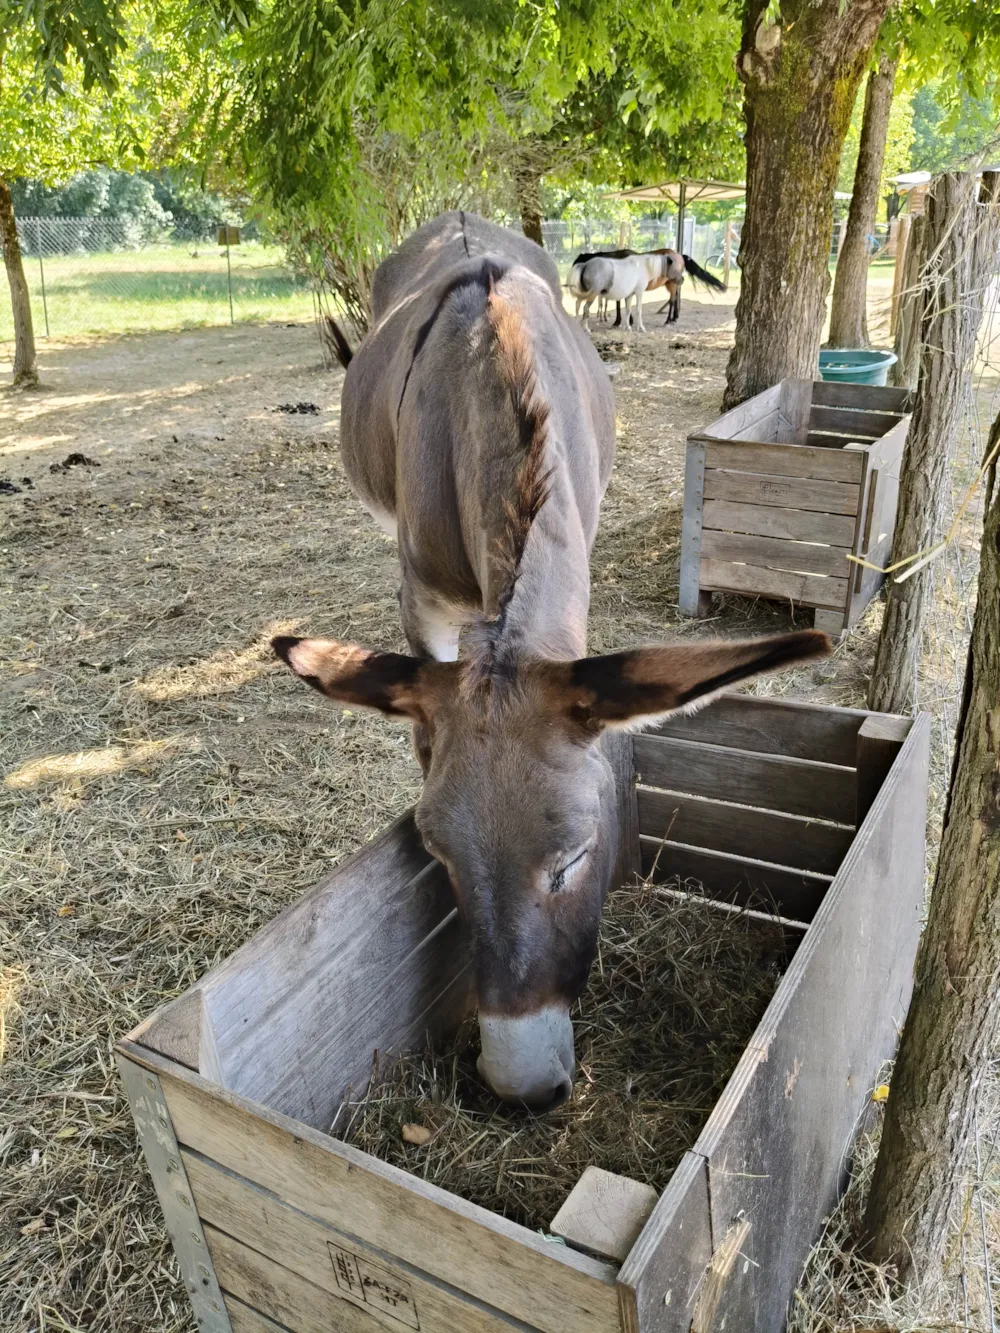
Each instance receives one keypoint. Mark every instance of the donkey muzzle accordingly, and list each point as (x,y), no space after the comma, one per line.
(529,1060)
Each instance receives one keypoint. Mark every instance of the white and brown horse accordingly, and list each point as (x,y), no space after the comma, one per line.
(478,425)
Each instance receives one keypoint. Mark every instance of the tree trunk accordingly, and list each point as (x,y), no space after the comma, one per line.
(958,258)
(906,344)
(950,1034)
(529,205)
(25,362)
(848,314)
(801,75)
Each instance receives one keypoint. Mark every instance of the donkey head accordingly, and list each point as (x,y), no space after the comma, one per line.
(519,805)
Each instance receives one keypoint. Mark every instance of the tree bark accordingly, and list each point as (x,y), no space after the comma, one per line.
(958,257)
(529,205)
(906,344)
(25,360)
(950,1034)
(848,314)
(801,75)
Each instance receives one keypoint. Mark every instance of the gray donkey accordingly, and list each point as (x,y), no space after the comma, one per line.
(478,426)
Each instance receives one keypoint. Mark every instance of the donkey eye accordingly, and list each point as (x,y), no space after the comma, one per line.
(566,872)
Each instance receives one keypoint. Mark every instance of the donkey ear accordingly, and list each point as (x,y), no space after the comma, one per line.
(387,681)
(627,689)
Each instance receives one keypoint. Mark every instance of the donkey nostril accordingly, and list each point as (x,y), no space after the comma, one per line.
(555,1098)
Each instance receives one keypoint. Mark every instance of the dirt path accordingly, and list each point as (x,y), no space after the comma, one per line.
(167,788)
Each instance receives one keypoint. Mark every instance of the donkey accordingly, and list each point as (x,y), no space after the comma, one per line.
(478,425)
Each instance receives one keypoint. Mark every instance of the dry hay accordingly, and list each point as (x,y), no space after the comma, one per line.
(676,991)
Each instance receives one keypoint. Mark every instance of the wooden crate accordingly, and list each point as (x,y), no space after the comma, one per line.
(276,1226)
(778,493)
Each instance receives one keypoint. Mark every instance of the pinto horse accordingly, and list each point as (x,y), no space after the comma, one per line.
(623,280)
(478,426)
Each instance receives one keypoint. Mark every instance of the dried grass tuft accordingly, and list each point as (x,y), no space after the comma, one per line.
(676,991)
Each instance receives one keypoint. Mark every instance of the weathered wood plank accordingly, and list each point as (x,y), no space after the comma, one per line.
(828,440)
(370,957)
(320,1254)
(743,418)
(767,781)
(795,400)
(775,1142)
(741,830)
(785,460)
(659,1280)
(874,542)
(604,1213)
(850,421)
(795,557)
(880,740)
(688,600)
(757,580)
(827,497)
(245,1319)
(550,1287)
(617,748)
(868,397)
(796,894)
(771,726)
(773,521)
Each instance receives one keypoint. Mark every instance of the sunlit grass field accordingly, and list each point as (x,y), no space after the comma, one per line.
(170,286)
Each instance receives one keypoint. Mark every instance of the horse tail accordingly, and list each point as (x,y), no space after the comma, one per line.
(337,342)
(596,275)
(702,274)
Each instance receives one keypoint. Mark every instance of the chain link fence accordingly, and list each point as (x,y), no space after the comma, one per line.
(118,275)
(703,241)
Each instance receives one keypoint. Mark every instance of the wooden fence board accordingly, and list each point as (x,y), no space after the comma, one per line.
(773,521)
(742,418)
(788,840)
(771,726)
(785,460)
(828,497)
(546,1286)
(766,781)
(797,557)
(331,1259)
(788,1113)
(759,581)
(869,397)
(849,421)
(734,879)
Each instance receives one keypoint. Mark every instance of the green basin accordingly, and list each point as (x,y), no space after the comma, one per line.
(844,366)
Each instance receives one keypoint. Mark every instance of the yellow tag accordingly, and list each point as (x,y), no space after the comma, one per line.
(881,1093)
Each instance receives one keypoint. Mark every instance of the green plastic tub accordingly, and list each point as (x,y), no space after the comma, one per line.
(844,366)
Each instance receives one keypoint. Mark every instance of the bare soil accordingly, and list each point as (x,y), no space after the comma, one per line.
(167,787)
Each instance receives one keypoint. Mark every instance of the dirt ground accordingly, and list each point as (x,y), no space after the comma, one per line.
(167,787)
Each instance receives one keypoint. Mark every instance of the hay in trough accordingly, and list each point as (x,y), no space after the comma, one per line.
(675,994)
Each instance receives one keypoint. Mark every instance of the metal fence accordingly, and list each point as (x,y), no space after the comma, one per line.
(115,274)
(703,241)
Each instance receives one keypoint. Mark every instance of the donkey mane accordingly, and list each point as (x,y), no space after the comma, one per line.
(488,657)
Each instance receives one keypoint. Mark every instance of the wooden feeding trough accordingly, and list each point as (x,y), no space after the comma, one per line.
(780,491)
(814,813)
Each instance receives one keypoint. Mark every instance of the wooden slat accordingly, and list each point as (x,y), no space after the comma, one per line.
(689,598)
(772,521)
(799,557)
(880,740)
(660,1278)
(355,964)
(604,1213)
(796,396)
(827,497)
(775,1142)
(617,749)
(870,397)
(771,726)
(787,840)
(827,440)
(742,419)
(757,581)
(772,782)
(283,1296)
(785,460)
(322,1255)
(736,879)
(847,421)
(245,1319)
(499,1263)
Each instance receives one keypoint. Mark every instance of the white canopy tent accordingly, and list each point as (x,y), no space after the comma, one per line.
(683,191)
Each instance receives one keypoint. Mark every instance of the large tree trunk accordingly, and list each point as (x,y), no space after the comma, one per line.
(950,1035)
(848,315)
(25,362)
(958,257)
(801,75)
(527,183)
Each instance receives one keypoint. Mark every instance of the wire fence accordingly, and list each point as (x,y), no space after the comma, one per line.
(117,275)
(703,241)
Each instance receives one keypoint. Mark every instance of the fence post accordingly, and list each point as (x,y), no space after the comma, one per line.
(727,255)
(41,270)
(229,277)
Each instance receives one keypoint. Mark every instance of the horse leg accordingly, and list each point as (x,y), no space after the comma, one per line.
(637,298)
(585,321)
(618,315)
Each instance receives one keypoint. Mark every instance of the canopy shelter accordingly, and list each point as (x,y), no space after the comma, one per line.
(683,191)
